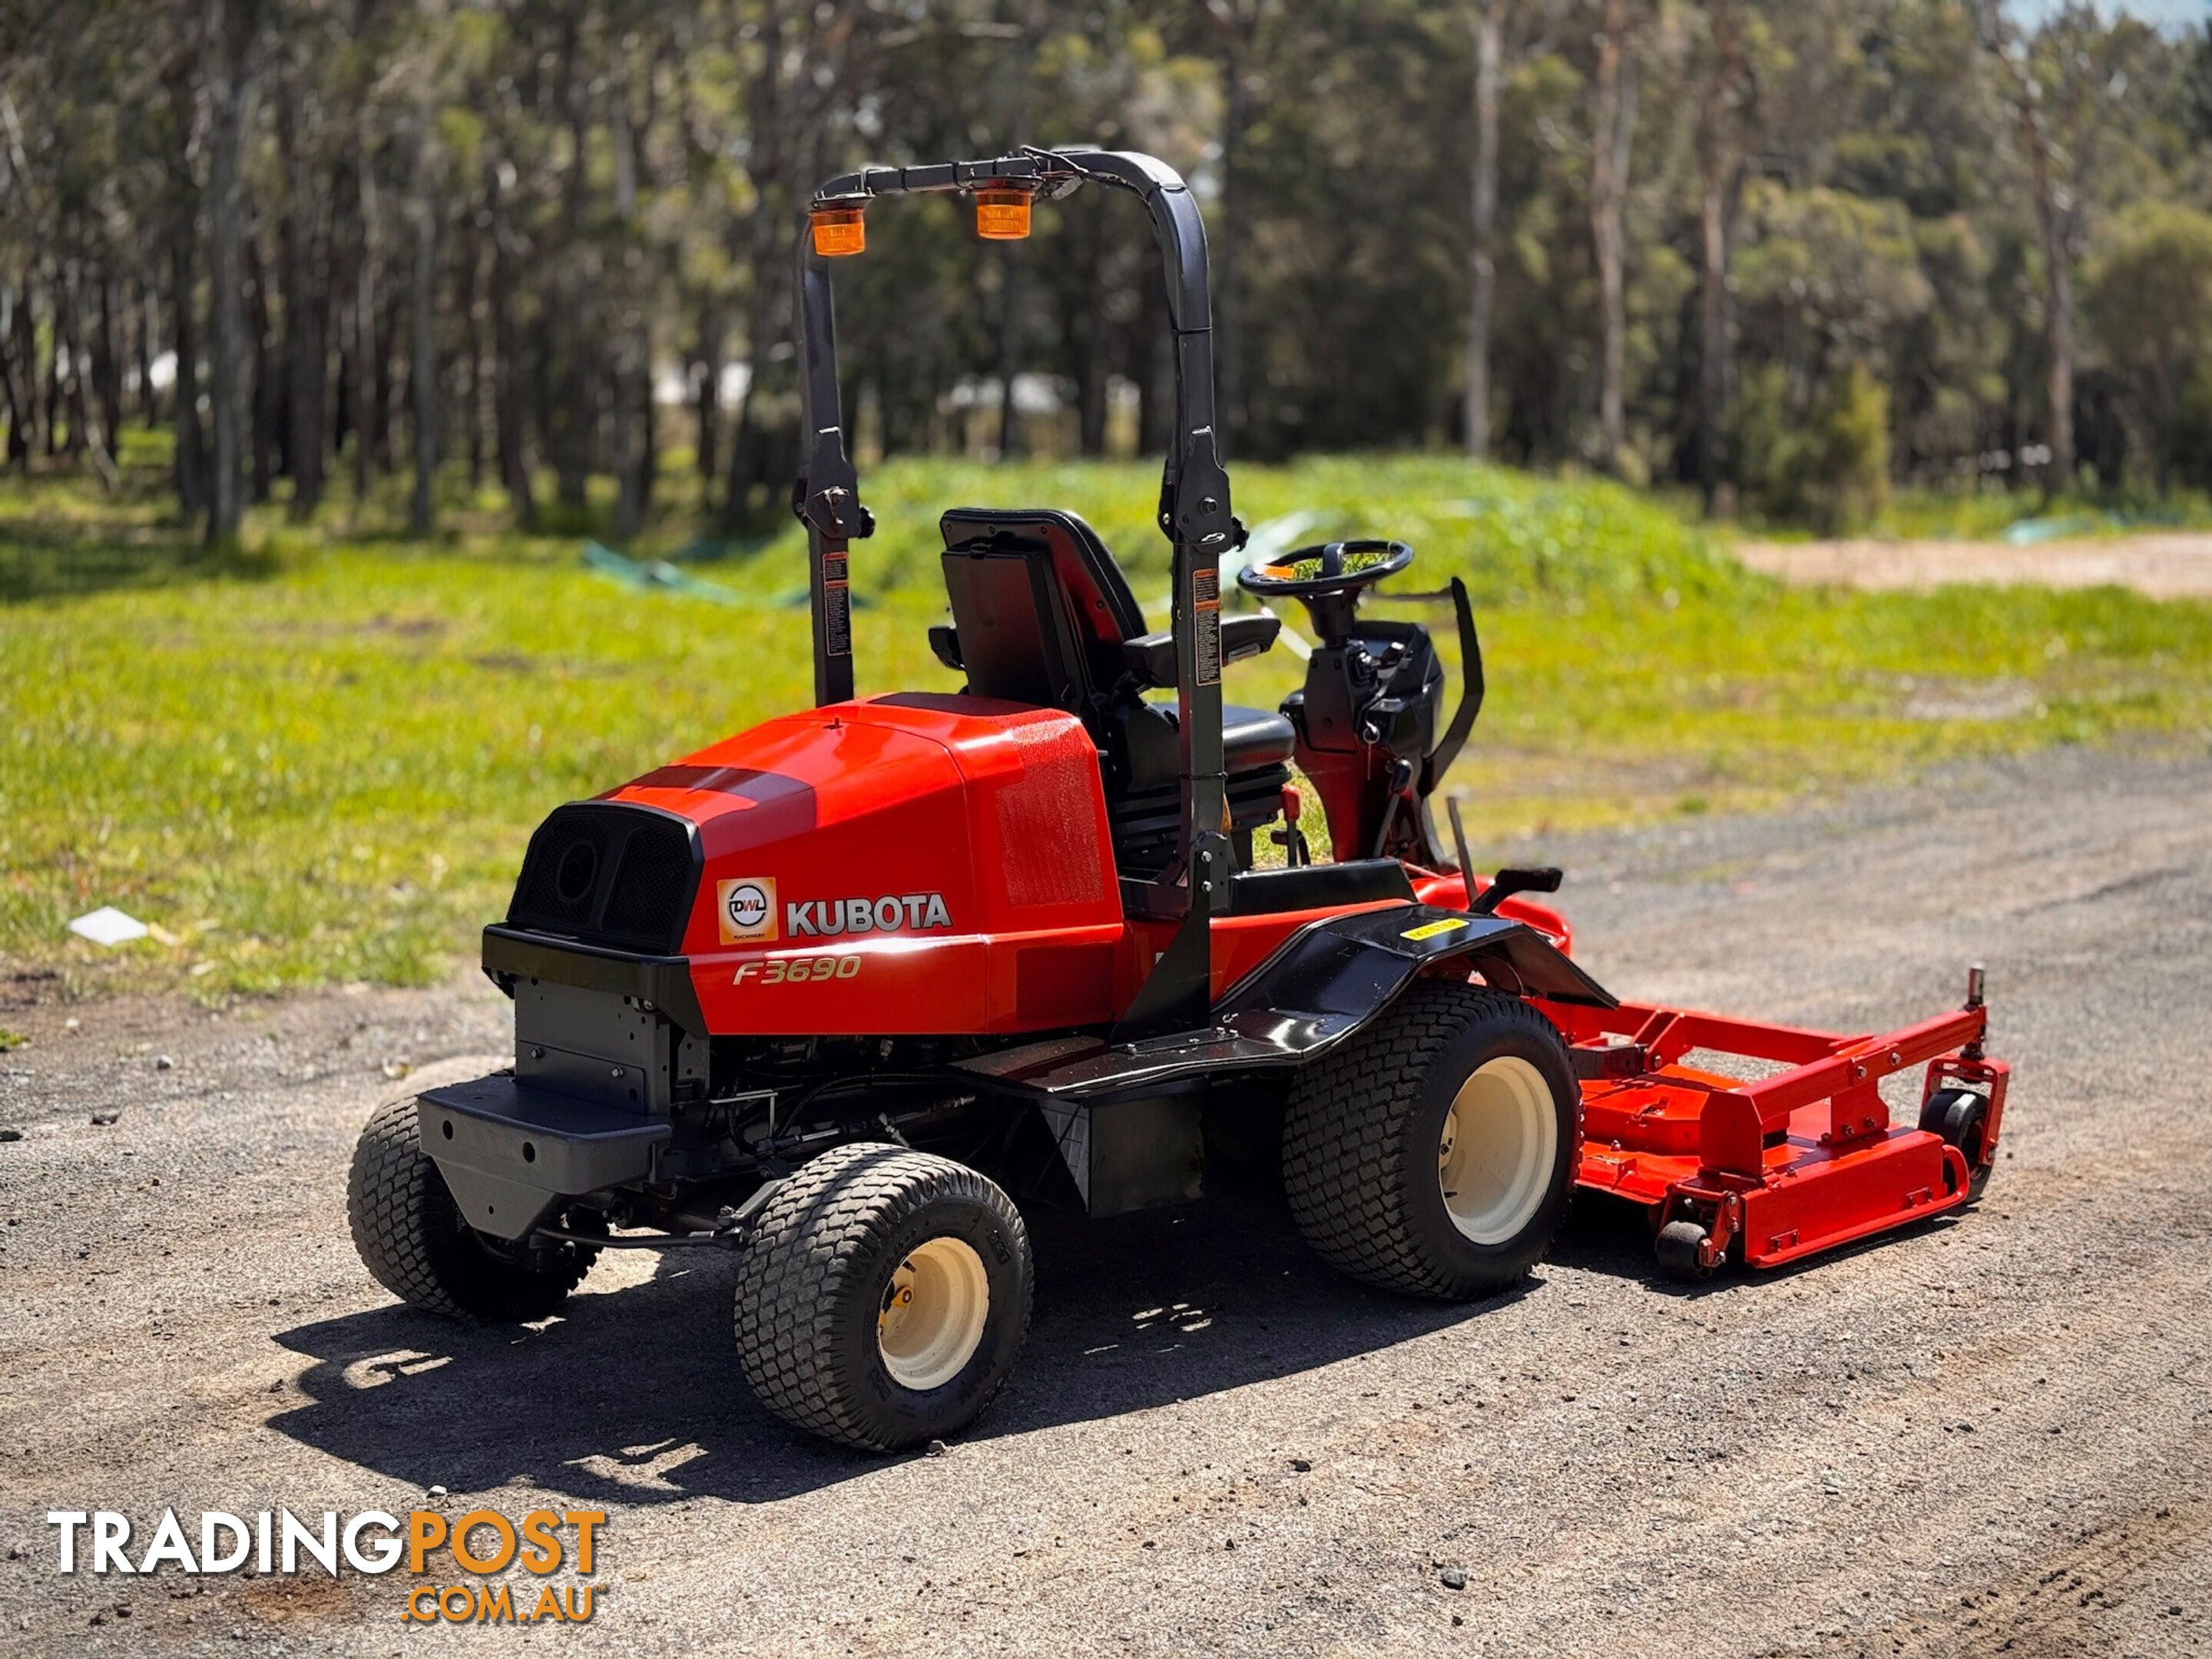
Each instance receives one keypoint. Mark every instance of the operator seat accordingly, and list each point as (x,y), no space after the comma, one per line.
(1042,614)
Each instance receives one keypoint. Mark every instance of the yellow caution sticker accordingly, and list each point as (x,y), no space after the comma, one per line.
(1430,930)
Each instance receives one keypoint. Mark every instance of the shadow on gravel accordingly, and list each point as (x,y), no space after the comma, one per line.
(636,1397)
(1607,1235)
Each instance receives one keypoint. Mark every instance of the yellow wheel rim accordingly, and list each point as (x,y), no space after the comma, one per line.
(932,1315)
(1500,1141)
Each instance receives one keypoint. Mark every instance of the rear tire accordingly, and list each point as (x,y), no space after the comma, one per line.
(882,1297)
(412,1239)
(1435,1153)
(1962,1117)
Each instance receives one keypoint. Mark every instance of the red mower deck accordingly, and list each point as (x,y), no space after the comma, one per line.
(1775,1168)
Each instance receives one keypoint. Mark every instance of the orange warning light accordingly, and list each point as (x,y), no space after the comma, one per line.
(838,231)
(1002,216)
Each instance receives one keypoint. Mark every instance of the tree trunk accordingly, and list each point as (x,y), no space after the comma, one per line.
(1713,342)
(18,368)
(1228,261)
(107,369)
(56,353)
(306,276)
(368,361)
(472,356)
(192,437)
(141,344)
(574,415)
(232,25)
(506,364)
(1482,265)
(2056,219)
(630,499)
(69,335)
(707,394)
(766,433)
(266,439)
(422,371)
(2055,210)
(1720,180)
(1612,127)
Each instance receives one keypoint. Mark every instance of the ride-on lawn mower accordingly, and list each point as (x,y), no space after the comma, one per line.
(827,992)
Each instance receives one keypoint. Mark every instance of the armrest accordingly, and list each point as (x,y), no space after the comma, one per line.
(1152,657)
(1248,637)
(944,643)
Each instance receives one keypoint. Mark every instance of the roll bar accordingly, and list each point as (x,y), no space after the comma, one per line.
(1194,515)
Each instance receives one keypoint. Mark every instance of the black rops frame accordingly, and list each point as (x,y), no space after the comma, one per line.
(1194,515)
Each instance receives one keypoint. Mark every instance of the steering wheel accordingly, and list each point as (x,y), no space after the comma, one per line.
(1325,569)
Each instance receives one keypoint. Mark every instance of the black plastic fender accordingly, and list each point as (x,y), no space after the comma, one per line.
(1326,981)
(1333,977)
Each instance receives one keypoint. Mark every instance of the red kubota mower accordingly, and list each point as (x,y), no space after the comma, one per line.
(824,993)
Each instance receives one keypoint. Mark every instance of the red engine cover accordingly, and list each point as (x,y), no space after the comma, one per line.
(909,864)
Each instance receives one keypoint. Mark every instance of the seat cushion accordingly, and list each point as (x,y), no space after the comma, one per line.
(1253,738)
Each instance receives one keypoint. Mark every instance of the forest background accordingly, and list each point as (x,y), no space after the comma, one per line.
(344,342)
(1782,256)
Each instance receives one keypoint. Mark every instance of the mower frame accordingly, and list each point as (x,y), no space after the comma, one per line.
(871,947)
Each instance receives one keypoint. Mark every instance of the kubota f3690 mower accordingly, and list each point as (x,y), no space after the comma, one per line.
(827,992)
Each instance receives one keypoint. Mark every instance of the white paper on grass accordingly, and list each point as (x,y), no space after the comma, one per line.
(108,925)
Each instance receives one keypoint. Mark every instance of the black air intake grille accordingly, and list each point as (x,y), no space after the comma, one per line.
(608,873)
(653,883)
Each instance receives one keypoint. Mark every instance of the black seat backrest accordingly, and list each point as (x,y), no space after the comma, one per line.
(1040,607)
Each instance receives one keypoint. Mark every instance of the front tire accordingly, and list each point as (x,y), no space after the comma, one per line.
(413,1240)
(1435,1153)
(882,1297)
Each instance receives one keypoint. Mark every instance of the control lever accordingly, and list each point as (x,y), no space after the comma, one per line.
(1295,853)
(1506,883)
(1459,842)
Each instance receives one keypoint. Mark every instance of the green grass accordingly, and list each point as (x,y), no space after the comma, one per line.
(319,763)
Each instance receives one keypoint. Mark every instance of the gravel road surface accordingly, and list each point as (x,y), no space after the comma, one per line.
(2165,564)
(1987,1435)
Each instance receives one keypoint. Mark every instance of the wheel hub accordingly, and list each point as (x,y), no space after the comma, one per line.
(1494,1159)
(934,1312)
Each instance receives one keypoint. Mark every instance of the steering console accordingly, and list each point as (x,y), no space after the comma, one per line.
(1327,579)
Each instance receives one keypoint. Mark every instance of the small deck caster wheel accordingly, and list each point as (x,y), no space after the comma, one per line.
(1681,1248)
(1962,1117)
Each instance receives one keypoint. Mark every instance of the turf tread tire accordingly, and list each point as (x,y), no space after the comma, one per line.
(410,1236)
(830,1222)
(1347,1161)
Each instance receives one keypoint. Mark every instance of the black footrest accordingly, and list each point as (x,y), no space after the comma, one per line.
(555,1142)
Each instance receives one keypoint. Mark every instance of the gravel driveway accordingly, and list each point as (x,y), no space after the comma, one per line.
(1986,1435)
(2165,564)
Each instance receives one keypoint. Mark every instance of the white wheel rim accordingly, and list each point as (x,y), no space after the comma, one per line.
(1500,1139)
(932,1314)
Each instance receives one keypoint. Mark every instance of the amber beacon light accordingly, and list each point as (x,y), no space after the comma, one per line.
(1002,216)
(839,230)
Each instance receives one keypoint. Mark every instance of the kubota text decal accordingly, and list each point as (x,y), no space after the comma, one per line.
(892,913)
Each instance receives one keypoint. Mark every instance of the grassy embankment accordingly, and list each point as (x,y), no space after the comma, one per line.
(319,763)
